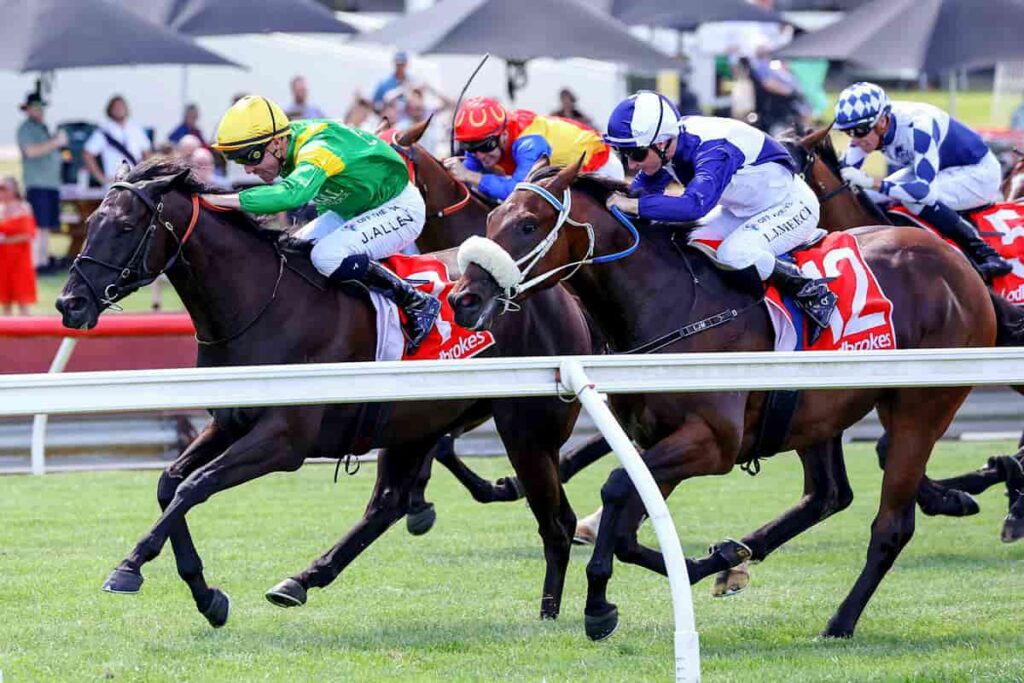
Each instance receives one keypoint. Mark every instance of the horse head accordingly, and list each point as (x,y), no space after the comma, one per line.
(842,206)
(130,241)
(525,248)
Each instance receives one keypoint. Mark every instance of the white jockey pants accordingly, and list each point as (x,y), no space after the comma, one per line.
(756,237)
(960,187)
(378,233)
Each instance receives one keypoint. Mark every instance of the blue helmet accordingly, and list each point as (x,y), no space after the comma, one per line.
(861,104)
(641,120)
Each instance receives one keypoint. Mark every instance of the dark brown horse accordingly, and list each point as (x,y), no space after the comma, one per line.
(844,207)
(255,300)
(1013,184)
(662,287)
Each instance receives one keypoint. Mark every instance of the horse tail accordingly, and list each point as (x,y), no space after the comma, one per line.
(1009,322)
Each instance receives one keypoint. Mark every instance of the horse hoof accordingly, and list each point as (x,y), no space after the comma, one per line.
(951,503)
(730,582)
(600,627)
(509,489)
(584,535)
(1013,529)
(123,581)
(549,609)
(220,606)
(421,520)
(835,630)
(288,593)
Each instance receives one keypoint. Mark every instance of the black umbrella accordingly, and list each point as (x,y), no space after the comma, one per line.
(923,35)
(520,30)
(43,35)
(688,14)
(229,17)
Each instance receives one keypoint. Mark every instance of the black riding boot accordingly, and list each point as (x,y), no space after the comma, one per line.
(953,226)
(812,296)
(421,310)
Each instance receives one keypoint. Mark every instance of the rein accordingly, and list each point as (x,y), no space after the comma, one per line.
(136,265)
(831,194)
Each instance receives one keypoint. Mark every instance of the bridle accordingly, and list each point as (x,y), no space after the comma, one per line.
(136,274)
(535,255)
(410,155)
(805,173)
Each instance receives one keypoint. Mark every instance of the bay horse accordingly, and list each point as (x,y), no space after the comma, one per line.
(844,207)
(663,287)
(1013,184)
(255,299)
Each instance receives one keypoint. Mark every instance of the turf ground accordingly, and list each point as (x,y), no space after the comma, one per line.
(460,604)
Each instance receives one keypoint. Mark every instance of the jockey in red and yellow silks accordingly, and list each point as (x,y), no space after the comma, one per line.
(501,146)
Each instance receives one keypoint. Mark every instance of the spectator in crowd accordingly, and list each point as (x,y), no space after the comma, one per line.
(203,167)
(567,108)
(391,110)
(360,113)
(40,166)
(416,111)
(397,81)
(115,141)
(1017,119)
(186,146)
(301,107)
(689,105)
(17,233)
(189,126)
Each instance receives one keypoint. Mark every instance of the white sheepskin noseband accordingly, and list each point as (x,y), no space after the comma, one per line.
(490,256)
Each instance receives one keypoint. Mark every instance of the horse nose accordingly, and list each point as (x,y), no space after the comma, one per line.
(67,304)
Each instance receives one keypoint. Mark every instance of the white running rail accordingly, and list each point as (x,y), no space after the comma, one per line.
(580,376)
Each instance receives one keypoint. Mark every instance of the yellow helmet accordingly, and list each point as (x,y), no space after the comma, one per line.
(248,126)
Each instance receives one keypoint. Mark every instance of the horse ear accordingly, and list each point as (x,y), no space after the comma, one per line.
(814,138)
(565,177)
(410,137)
(122,172)
(382,126)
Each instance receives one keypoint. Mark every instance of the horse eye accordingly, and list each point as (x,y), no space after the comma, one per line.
(528,226)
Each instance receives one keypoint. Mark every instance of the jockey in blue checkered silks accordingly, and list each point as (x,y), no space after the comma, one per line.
(944,166)
(738,180)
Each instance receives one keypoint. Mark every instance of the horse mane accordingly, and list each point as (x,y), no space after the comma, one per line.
(163,166)
(596,187)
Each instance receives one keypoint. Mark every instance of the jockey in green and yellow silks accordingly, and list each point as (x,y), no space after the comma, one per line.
(359,184)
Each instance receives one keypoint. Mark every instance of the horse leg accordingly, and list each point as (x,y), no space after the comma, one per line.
(936,497)
(1013,526)
(212,603)
(533,453)
(826,492)
(692,450)
(267,447)
(915,419)
(505,489)
(570,464)
(397,471)
(421,515)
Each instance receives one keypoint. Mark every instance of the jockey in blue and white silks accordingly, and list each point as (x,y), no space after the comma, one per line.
(944,166)
(738,180)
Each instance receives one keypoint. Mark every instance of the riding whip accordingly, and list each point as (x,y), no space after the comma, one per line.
(462,94)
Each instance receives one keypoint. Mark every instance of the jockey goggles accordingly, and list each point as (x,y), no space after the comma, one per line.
(860,130)
(637,154)
(483,146)
(250,155)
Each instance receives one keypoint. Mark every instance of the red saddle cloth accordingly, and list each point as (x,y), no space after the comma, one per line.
(863,316)
(447,340)
(1002,226)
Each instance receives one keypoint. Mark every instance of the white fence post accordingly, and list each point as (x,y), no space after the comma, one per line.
(60,361)
(687,644)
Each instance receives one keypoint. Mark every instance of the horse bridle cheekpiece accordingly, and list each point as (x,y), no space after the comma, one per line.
(513,281)
(135,273)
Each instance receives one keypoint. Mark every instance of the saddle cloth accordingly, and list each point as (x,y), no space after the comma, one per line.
(863,318)
(1001,225)
(447,340)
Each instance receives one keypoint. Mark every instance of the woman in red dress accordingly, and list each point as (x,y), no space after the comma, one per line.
(17,233)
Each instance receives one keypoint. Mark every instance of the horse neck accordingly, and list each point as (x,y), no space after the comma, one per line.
(224,275)
(442,191)
(647,294)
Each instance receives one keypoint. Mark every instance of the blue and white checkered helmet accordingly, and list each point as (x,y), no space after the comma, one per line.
(861,103)
(641,120)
